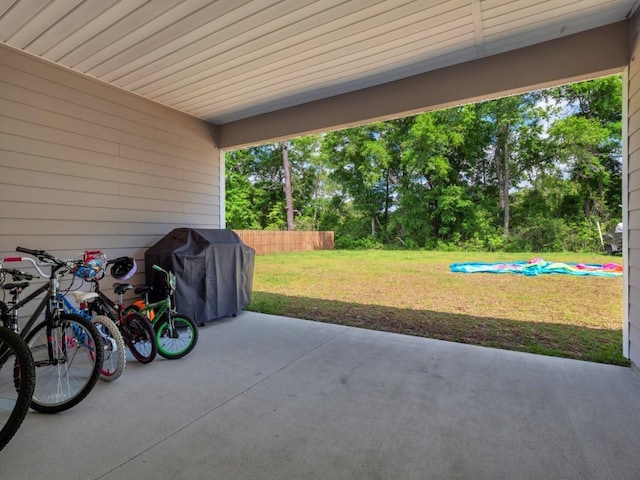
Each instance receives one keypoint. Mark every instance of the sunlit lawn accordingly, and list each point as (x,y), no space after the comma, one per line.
(414,292)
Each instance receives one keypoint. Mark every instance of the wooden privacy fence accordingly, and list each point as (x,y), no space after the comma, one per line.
(273,241)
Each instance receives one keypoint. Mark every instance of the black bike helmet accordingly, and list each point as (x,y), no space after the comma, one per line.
(123,268)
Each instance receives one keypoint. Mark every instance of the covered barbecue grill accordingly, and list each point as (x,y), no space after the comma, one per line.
(214,271)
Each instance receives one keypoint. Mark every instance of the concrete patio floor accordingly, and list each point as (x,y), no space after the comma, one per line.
(265,397)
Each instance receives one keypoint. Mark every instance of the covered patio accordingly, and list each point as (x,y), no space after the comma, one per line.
(274,398)
(114,116)
(114,120)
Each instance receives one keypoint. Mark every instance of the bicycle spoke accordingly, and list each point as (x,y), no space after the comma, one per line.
(176,336)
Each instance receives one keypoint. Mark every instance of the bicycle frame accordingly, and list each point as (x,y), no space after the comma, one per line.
(116,308)
(165,305)
(118,313)
(159,308)
(176,334)
(50,303)
(70,307)
(10,317)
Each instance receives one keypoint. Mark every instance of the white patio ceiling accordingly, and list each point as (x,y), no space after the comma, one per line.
(228,60)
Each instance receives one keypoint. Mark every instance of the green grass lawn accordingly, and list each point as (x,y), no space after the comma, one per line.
(414,293)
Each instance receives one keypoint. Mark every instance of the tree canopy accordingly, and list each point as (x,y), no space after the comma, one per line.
(531,172)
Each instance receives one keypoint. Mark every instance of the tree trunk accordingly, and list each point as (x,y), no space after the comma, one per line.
(497,160)
(387,199)
(507,182)
(287,185)
(315,202)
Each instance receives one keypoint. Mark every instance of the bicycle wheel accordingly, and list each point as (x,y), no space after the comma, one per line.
(115,356)
(17,379)
(68,360)
(139,336)
(175,337)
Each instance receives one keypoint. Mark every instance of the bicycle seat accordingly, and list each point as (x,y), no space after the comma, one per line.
(120,288)
(16,285)
(84,296)
(144,289)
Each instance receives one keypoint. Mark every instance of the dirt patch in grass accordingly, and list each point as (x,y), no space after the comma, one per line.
(415,293)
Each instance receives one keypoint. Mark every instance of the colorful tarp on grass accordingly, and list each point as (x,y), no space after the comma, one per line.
(538,266)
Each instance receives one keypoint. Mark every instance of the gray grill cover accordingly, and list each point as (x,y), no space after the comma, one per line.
(214,272)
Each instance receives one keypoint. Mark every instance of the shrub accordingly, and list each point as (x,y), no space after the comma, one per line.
(349,243)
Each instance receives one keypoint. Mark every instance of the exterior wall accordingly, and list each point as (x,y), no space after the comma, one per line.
(632,220)
(87,166)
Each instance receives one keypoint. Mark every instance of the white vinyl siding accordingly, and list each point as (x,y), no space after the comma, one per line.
(85,166)
(632,250)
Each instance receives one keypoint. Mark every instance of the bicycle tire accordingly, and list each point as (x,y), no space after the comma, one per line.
(17,380)
(179,343)
(115,356)
(67,360)
(139,336)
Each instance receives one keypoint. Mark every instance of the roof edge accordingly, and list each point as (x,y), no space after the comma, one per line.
(589,54)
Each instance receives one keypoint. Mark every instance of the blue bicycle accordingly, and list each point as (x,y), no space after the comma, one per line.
(112,342)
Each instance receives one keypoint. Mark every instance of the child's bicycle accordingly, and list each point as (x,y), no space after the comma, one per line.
(112,342)
(176,334)
(93,263)
(137,332)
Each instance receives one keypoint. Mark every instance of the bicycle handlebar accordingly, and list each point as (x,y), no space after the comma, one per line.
(27,259)
(116,260)
(45,257)
(35,253)
(170,278)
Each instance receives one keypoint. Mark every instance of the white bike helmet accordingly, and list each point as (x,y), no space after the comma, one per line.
(123,268)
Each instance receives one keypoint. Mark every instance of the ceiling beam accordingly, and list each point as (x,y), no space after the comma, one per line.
(581,56)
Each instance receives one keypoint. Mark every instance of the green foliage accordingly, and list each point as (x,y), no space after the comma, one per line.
(347,242)
(555,235)
(531,172)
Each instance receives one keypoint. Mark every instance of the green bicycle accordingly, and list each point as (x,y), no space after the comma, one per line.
(176,334)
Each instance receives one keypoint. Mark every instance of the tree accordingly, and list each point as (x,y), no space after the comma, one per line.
(514,121)
(287,185)
(240,205)
(525,172)
(358,162)
(578,142)
(588,142)
(255,197)
(443,194)
(309,175)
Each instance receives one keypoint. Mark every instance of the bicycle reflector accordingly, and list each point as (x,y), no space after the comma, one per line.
(123,268)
